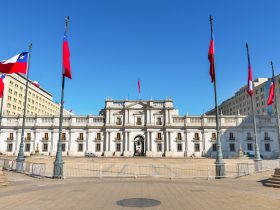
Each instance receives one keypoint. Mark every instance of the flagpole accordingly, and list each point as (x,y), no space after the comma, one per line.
(1,111)
(276,107)
(257,151)
(58,163)
(20,158)
(220,165)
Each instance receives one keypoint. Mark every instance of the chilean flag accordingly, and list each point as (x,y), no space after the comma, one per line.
(139,86)
(66,58)
(250,80)
(16,64)
(211,60)
(2,85)
(271,93)
(35,83)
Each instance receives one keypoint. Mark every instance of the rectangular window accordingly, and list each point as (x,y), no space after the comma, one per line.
(232,147)
(159,147)
(27,147)
(179,147)
(118,136)
(81,136)
(45,147)
(231,137)
(97,148)
(249,137)
(179,136)
(118,149)
(98,136)
(46,136)
(119,121)
(138,122)
(158,136)
(267,147)
(11,136)
(63,136)
(214,147)
(197,147)
(213,137)
(196,136)
(10,147)
(159,122)
(28,138)
(80,147)
(250,147)
(63,147)
(266,137)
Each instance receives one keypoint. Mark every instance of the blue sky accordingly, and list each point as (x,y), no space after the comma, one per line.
(163,42)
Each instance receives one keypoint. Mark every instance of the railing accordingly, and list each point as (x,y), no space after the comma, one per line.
(33,169)
(159,170)
(267,138)
(249,138)
(154,170)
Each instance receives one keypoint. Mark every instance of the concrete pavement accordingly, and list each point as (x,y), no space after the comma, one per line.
(24,192)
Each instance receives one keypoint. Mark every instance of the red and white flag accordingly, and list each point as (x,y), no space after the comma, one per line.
(211,59)
(35,83)
(250,79)
(2,85)
(139,86)
(16,64)
(271,93)
(66,58)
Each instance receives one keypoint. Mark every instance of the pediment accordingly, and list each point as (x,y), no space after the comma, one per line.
(136,105)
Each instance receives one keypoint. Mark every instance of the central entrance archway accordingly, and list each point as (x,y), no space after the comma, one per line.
(139,147)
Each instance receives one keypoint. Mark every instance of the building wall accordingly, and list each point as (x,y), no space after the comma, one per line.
(180,135)
(39,101)
(241,102)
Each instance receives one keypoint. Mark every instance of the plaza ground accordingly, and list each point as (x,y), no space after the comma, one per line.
(24,192)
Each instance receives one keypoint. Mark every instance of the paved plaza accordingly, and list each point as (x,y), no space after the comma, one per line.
(24,192)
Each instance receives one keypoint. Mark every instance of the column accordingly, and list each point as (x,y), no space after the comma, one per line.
(87,139)
(169,141)
(128,140)
(109,141)
(34,141)
(150,136)
(105,142)
(148,140)
(69,140)
(124,143)
(52,146)
(186,143)
(203,142)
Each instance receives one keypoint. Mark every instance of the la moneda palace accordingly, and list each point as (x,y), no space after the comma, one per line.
(151,128)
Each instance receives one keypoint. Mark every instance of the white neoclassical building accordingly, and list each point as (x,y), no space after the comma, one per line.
(150,128)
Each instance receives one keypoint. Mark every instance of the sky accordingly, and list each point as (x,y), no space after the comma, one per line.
(163,42)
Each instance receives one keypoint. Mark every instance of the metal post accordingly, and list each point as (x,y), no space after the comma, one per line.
(257,151)
(58,163)
(220,165)
(2,101)
(20,158)
(276,108)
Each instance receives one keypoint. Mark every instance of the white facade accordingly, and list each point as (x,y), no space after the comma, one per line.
(130,128)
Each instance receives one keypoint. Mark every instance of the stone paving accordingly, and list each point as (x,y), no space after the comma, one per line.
(24,192)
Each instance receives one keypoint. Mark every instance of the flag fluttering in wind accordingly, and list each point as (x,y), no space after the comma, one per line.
(35,83)
(2,85)
(271,93)
(211,60)
(66,58)
(250,78)
(139,86)
(16,64)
